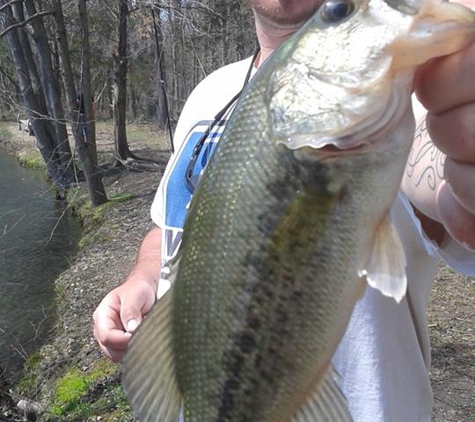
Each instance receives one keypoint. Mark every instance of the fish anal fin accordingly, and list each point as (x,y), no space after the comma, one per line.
(386,267)
(326,404)
(148,369)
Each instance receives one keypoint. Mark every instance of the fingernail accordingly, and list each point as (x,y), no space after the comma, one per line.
(132,325)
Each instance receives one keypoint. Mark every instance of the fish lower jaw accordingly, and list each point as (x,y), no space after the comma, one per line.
(330,150)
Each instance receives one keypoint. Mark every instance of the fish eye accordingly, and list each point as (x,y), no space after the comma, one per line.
(333,11)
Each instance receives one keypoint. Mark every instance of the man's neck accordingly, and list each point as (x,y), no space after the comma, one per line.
(270,36)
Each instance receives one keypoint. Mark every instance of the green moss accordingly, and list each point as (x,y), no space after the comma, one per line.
(30,383)
(101,369)
(79,201)
(93,217)
(68,391)
(121,197)
(73,393)
(33,361)
(32,159)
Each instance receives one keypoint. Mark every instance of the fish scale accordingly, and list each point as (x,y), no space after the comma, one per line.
(254,276)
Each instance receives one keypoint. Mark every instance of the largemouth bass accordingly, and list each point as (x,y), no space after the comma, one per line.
(290,222)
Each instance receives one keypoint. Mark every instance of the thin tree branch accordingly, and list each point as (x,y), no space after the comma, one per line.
(4,6)
(26,21)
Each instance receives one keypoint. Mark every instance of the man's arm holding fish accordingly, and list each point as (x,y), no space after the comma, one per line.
(440,175)
(120,312)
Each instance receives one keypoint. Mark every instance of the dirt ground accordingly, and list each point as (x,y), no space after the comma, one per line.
(452,329)
(103,264)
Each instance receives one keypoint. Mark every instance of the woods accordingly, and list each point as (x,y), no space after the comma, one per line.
(66,63)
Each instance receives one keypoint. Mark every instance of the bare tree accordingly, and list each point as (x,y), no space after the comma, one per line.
(40,122)
(52,92)
(122,151)
(87,149)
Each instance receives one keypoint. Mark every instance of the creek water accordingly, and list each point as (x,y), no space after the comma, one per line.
(38,237)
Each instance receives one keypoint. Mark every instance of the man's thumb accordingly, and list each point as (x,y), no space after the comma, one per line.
(131,319)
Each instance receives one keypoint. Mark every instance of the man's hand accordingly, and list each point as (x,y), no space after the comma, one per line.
(119,314)
(123,309)
(446,88)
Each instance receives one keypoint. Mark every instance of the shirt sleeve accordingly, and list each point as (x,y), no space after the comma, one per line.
(157,211)
(158,205)
(454,255)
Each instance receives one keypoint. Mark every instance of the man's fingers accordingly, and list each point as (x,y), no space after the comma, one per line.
(458,221)
(452,75)
(453,132)
(115,339)
(461,180)
(114,346)
(108,329)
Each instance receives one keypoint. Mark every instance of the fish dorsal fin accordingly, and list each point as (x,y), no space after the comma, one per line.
(386,267)
(326,404)
(148,369)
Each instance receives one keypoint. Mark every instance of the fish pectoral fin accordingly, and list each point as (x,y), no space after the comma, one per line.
(148,369)
(326,404)
(386,268)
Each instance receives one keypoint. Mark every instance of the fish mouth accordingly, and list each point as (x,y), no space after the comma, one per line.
(442,28)
(334,149)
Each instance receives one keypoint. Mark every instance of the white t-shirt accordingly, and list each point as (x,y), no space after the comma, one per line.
(384,356)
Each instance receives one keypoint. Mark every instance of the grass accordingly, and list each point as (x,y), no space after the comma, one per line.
(32,159)
(143,134)
(5,133)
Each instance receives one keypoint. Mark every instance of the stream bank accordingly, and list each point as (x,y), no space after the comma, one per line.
(68,377)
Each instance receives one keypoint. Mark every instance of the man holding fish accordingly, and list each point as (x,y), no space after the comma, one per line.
(384,354)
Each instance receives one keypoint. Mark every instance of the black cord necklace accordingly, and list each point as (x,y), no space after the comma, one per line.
(191,181)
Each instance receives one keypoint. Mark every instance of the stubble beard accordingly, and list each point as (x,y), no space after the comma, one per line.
(284,17)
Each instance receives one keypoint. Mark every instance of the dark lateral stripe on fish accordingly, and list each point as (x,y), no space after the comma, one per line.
(279,259)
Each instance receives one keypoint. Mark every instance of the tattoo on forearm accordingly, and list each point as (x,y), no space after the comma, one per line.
(424,150)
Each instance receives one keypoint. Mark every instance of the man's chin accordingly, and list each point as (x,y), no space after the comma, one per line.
(286,14)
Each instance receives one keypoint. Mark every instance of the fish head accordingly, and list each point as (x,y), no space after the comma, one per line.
(348,73)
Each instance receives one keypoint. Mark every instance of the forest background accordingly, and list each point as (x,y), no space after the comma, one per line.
(134,63)
(69,63)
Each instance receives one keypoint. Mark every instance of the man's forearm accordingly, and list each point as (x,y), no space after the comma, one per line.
(148,261)
(423,176)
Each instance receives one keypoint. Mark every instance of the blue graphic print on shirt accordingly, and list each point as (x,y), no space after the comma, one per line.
(177,193)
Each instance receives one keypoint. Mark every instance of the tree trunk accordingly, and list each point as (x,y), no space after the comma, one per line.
(18,14)
(44,139)
(52,92)
(87,150)
(68,78)
(162,115)
(122,151)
